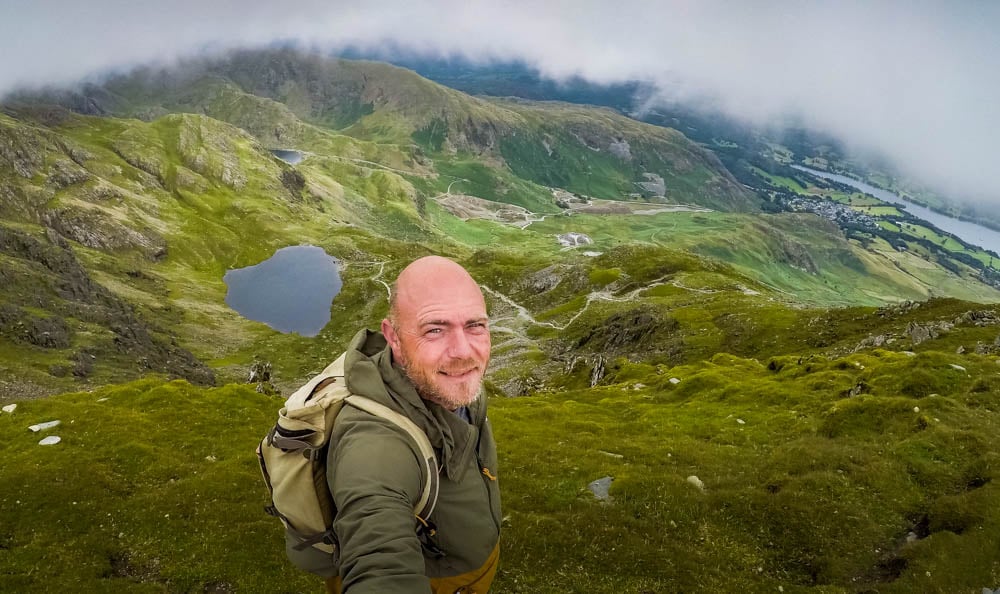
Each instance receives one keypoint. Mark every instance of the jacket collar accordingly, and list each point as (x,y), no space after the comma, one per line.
(369,371)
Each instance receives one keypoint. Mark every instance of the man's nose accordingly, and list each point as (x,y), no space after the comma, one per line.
(460,347)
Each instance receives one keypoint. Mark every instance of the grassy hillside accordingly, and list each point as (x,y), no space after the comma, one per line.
(155,213)
(154,486)
(282,96)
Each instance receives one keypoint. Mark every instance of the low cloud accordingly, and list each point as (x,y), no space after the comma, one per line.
(916,81)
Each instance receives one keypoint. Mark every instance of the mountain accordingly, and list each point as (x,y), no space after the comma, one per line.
(654,318)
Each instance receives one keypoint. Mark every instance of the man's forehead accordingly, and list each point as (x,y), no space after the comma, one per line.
(450,307)
(445,299)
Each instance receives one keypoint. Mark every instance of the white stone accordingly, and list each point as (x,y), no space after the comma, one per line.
(43,426)
(9,408)
(958,367)
(694,480)
(50,440)
(916,409)
(674,381)
(741,421)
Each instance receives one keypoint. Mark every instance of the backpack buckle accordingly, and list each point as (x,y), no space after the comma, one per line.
(426,530)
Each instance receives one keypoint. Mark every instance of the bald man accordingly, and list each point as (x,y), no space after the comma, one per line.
(427,364)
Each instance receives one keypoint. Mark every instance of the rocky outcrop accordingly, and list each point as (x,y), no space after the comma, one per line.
(797,255)
(22,149)
(93,230)
(26,328)
(64,173)
(49,277)
(919,333)
(598,372)
(628,331)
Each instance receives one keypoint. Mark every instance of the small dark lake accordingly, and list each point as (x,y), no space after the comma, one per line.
(288,156)
(291,291)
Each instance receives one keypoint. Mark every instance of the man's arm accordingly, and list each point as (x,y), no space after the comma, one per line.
(374,475)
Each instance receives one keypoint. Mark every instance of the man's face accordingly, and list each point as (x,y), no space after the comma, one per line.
(441,338)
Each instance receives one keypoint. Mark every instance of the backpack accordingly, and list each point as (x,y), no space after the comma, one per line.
(293,461)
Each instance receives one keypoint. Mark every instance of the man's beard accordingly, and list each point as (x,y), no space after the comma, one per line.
(456,396)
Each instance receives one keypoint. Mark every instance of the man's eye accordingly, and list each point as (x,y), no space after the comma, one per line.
(478,327)
(434,331)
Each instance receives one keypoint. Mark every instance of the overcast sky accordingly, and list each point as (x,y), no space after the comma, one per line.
(918,81)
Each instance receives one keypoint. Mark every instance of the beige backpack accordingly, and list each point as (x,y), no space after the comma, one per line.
(293,461)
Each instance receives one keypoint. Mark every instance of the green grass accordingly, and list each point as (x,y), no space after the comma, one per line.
(155,487)
(879,211)
(788,183)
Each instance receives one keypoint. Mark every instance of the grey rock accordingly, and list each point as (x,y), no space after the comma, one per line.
(544,280)
(50,440)
(597,374)
(621,149)
(601,487)
(873,342)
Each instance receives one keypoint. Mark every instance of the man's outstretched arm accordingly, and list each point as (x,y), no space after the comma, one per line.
(374,475)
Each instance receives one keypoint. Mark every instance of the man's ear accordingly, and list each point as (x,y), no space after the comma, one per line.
(392,338)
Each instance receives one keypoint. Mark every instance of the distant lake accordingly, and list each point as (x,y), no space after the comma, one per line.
(972,233)
(288,156)
(291,291)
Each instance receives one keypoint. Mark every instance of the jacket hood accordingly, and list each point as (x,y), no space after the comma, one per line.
(370,371)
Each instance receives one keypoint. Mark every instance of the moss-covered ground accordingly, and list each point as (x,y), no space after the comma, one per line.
(154,486)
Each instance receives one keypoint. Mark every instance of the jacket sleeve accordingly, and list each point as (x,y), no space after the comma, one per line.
(374,475)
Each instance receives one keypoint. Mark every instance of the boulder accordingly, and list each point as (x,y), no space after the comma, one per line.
(601,488)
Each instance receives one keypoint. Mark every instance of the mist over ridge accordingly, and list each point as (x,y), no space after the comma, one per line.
(915,81)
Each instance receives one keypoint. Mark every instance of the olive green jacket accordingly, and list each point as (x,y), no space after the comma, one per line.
(375,475)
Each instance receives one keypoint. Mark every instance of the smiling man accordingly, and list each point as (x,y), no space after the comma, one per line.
(428,365)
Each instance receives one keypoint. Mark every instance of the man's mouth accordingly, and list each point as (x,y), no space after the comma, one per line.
(458,374)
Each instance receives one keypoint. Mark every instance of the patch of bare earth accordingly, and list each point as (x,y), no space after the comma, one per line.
(470,207)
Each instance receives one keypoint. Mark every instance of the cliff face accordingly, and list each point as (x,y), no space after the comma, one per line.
(51,302)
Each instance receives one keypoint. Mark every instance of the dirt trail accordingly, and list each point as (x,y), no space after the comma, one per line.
(525,316)
(377,276)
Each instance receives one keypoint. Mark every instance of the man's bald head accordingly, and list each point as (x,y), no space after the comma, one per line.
(438,330)
(424,274)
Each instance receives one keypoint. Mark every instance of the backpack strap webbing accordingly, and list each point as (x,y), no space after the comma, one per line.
(429,494)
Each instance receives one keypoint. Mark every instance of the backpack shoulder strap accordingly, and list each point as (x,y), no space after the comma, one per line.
(428,497)
(312,389)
